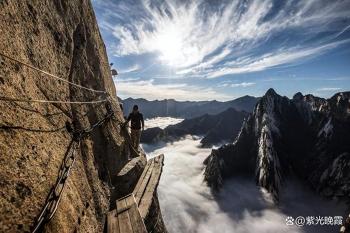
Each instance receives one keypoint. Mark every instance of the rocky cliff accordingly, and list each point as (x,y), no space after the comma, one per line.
(306,137)
(62,38)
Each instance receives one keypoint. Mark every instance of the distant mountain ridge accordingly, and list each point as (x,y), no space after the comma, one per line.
(187,109)
(215,128)
(306,136)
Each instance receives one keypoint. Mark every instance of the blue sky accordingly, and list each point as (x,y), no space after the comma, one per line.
(212,49)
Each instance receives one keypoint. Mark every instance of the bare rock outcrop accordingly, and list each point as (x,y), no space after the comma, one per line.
(306,137)
(60,37)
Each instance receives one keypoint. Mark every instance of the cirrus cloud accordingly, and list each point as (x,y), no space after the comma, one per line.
(152,91)
(212,40)
(329,89)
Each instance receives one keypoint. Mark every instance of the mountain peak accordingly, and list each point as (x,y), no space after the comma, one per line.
(315,128)
(298,96)
(271,92)
(345,95)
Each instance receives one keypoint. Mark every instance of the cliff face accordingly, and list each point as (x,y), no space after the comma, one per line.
(61,37)
(305,136)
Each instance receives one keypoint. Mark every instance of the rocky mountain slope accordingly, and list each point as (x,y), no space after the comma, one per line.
(215,128)
(188,109)
(306,136)
(61,37)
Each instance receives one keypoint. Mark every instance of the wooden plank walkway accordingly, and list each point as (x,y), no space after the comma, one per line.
(132,209)
(126,218)
(147,184)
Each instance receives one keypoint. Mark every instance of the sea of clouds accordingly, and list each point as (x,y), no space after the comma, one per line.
(188,205)
(161,122)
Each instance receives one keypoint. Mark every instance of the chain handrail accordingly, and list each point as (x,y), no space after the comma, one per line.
(55,194)
(54,197)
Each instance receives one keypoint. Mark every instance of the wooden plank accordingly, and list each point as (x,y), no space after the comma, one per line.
(144,183)
(112,222)
(147,197)
(139,192)
(138,225)
(123,217)
(126,207)
(139,182)
(144,173)
(131,210)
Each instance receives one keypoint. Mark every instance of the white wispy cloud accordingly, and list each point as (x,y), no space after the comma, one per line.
(281,57)
(198,39)
(122,78)
(329,89)
(130,69)
(243,84)
(150,90)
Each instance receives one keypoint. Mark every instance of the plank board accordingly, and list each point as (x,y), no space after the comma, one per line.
(133,208)
(112,222)
(143,183)
(126,218)
(135,217)
(123,217)
(148,165)
(147,197)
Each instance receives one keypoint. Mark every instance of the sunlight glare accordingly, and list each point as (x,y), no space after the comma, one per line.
(170,45)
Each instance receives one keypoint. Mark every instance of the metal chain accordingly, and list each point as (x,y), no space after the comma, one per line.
(99,123)
(55,194)
(54,197)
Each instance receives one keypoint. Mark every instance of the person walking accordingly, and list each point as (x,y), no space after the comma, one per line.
(137,123)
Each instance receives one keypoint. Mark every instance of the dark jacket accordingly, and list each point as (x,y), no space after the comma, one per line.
(136,119)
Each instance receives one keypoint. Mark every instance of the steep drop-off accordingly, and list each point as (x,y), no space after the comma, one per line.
(61,37)
(306,137)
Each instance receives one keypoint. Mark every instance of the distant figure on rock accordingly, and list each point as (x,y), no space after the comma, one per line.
(137,123)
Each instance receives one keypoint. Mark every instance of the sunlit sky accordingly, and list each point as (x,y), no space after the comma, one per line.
(204,50)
